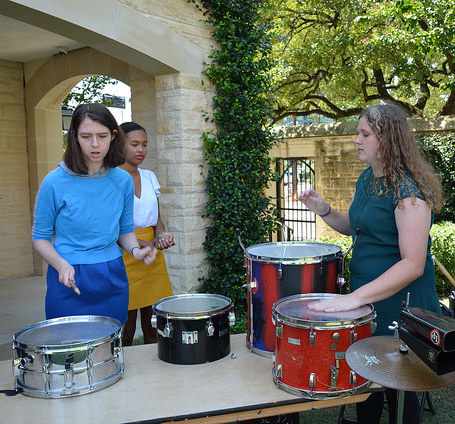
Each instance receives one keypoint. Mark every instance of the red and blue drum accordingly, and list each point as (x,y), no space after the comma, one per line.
(278,270)
(310,352)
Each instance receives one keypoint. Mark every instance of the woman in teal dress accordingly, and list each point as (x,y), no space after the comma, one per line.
(391,215)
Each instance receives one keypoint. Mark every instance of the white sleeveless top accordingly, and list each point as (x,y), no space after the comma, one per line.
(146,208)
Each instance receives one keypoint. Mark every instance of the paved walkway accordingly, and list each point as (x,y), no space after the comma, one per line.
(21,304)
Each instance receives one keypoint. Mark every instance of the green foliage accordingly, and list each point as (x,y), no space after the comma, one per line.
(337,57)
(238,166)
(344,242)
(89,90)
(443,248)
(440,151)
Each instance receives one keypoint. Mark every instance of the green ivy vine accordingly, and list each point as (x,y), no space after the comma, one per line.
(238,165)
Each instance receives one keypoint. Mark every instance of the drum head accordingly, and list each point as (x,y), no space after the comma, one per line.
(192,305)
(67,331)
(293,251)
(294,310)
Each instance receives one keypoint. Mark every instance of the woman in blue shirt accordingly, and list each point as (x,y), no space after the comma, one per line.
(391,213)
(83,209)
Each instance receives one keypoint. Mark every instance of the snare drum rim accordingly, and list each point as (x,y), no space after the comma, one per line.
(294,261)
(319,325)
(49,348)
(192,315)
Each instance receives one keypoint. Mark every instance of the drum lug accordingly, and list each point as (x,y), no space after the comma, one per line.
(312,337)
(253,286)
(231,319)
(210,329)
(353,335)
(279,331)
(167,330)
(68,376)
(190,337)
(341,281)
(321,270)
(26,361)
(352,379)
(279,371)
(334,372)
(280,271)
(154,321)
(312,382)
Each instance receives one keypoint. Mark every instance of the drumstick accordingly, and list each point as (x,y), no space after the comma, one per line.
(74,287)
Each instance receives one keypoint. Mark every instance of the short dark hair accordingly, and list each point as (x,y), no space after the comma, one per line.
(127,127)
(97,112)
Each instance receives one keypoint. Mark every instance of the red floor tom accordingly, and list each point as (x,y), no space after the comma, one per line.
(278,270)
(310,350)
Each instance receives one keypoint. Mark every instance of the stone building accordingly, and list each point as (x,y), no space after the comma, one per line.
(158,49)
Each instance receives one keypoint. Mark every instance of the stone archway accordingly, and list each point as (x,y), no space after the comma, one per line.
(162,63)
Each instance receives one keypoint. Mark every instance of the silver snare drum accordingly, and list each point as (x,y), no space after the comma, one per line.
(67,356)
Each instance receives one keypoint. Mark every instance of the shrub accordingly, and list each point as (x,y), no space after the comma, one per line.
(443,248)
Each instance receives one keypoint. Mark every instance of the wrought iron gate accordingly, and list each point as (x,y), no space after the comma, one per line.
(296,175)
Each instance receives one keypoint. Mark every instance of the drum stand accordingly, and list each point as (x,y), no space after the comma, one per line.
(425,399)
(382,360)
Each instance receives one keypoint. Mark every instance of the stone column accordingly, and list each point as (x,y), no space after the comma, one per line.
(176,156)
(15,242)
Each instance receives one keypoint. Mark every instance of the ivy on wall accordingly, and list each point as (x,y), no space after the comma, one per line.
(237,154)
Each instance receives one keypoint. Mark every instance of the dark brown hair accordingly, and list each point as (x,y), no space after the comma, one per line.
(97,112)
(399,154)
(128,127)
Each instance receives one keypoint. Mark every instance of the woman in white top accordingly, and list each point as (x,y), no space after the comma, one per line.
(147,284)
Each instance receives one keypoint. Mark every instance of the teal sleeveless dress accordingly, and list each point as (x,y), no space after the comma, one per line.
(376,250)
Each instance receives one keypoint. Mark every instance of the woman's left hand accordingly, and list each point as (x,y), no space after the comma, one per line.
(146,254)
(164,240)
(338,303)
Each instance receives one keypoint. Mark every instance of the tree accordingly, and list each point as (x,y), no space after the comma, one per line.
(337,56)
(88,90)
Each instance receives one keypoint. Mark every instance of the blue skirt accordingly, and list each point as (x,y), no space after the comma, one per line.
(104,291)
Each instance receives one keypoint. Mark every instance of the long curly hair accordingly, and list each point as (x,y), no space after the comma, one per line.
(399,155)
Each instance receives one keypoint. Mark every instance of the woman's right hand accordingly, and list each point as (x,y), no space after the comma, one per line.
(313,201)
(66,275)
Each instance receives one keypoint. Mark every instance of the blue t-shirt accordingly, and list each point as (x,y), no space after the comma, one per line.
(84,215)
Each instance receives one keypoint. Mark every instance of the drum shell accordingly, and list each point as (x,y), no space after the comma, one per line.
(305,348)
(56,371)
(181,347)
(277,277)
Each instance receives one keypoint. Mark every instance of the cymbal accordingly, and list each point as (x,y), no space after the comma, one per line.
(379,359)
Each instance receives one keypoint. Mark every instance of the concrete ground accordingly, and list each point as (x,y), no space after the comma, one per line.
(21,304)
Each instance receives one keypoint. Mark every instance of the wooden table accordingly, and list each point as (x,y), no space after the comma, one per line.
(154,391)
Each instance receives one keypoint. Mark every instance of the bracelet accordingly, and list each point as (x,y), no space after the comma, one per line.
(135,247)
(327,213)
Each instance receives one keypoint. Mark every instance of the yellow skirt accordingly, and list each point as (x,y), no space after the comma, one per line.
(148,283)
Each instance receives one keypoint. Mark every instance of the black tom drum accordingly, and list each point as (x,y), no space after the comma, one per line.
(193,328)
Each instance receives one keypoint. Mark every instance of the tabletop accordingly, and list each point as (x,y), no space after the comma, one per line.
(236,387)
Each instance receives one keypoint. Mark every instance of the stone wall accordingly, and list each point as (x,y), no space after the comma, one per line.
(335,155)
(167,99)
(15,240)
